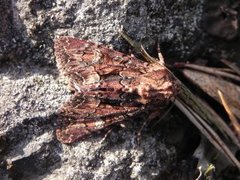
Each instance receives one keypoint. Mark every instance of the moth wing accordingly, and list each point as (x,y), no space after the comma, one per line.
(109,87)
(80,117)
(87,63)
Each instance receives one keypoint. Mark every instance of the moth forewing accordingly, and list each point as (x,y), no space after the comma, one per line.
(110,90)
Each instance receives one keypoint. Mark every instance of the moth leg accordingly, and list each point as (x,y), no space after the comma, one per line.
(152,116)
(106,135)
(122,125)
(109,131)
(163,115)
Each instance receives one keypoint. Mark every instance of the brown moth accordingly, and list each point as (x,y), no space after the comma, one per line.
(109,87)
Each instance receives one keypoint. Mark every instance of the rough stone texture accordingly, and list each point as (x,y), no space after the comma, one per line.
(31,89)
(8,29)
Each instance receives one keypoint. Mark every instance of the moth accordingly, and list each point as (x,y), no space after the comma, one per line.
(108,87)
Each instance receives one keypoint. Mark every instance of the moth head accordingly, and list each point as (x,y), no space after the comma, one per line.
(152,89)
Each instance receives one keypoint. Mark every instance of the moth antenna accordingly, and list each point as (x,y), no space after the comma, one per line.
(164,114)
(138,47)
(160,56)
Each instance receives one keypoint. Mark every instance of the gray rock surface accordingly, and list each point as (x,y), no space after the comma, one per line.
(31,89)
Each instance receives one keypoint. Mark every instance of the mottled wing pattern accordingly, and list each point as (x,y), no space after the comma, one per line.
(108,87)
(81,117)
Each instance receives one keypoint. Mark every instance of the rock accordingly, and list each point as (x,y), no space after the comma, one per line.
(221,20)
(31,89)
